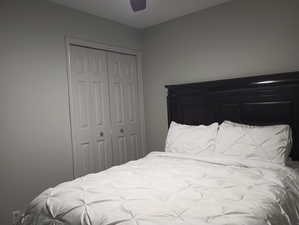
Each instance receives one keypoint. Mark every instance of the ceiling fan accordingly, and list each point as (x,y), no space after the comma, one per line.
(138,5)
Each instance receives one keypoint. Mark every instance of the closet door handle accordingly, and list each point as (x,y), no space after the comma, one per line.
(102,134)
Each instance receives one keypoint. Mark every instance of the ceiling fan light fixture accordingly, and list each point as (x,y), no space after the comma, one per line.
(138,5)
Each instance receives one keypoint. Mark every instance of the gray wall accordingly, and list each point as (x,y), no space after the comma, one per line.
(235,39)
(35,141)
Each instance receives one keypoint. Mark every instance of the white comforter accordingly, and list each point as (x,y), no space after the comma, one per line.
(173,189)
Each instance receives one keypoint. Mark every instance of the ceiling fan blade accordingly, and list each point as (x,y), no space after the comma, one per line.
(138,5)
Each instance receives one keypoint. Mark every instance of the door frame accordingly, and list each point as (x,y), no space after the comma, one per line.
(69,40)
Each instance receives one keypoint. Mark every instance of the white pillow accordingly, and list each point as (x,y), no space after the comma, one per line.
(196,140)
(264,143)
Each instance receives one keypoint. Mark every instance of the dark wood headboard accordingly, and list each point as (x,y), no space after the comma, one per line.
(260,100)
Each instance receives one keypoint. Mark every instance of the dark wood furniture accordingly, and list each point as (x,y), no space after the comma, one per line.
(260,100)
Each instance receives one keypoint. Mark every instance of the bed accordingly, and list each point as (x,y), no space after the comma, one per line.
(185,189)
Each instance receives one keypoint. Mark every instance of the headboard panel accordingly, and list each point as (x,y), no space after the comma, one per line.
(260,100)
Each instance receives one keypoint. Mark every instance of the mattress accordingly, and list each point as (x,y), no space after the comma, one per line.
(174,189)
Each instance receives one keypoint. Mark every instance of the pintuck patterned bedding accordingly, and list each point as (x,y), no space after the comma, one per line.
(174,189)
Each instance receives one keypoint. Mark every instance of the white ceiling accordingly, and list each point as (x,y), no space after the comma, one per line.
(158,11)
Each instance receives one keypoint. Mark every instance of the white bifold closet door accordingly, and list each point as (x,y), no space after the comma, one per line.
(104,109)
(90,110)
(124,108)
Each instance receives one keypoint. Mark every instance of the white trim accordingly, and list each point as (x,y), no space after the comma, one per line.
(91,44)
(101,46)
(68,60)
